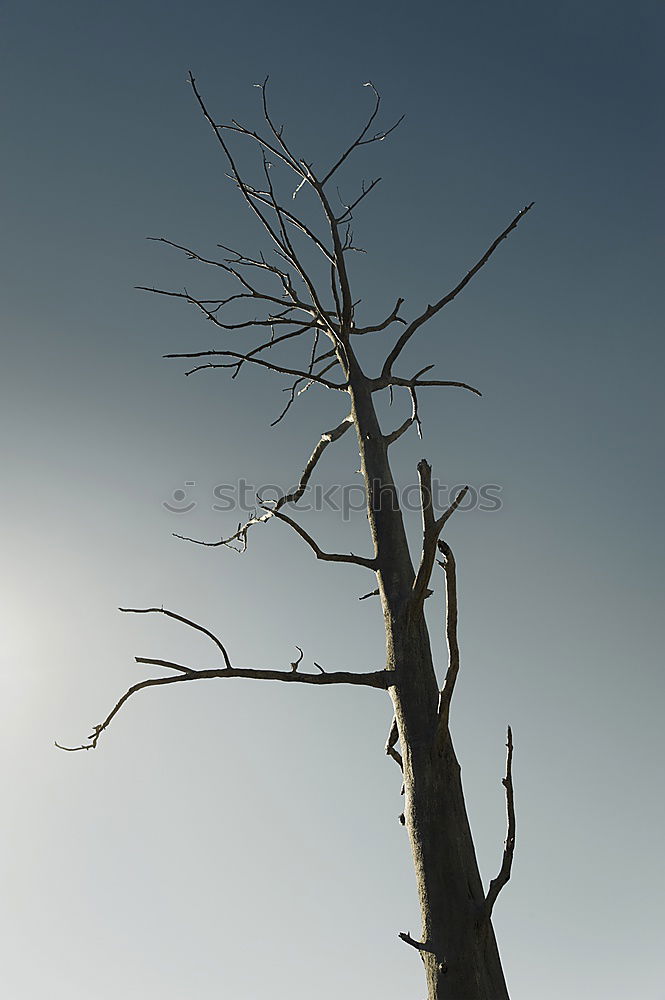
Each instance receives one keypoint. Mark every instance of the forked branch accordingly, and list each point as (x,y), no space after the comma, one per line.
(250,357)
(230,265)
(418,945)
(393,318)
(413,419)
(278,234)
(432,528)
(363,139)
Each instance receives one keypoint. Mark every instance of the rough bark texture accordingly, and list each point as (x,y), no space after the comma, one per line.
(461,957)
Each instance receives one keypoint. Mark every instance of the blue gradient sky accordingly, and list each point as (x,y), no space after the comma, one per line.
(240,840)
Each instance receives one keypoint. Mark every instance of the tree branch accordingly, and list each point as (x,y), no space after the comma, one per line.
(418,945)
(426,383)
(279,319)
(361,140)
(346,315)
(283,153)
(416,382)
(268,345)
(240,535)
(446,694)
(319,553)
(432,528)
(413,419)
(280,369)
(281,240)
(393,737)
(432,310)
(292,219)
(326,439)
(347,214)
(290,158)
(375,679)
(239,259)
(359,331)
(185,621)
(497,884)
(294,391)
(296,663)
(287,246)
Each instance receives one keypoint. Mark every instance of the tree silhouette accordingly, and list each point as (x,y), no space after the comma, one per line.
(457,943)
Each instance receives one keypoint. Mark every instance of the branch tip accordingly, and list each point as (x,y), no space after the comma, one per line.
(418,945)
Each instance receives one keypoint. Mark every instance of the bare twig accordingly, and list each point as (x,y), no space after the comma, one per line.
(251,292)
(393,318)
(362,140)
(169,664)
(292,219)
(347,214)
(280,369)
(298,660)
(211,313)
(418,945)
(286,246)
(286,157)
(413,419)
(346,313)
(416,383)
(268,345)
(297,389)
(497,884)
(291,158)
(185,621)
(280,239)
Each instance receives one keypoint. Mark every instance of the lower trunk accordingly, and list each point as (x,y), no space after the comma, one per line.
(459,950)
(458,946)
(464,962)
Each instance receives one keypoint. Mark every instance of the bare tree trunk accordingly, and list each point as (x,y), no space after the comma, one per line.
(457,945)
(462,959)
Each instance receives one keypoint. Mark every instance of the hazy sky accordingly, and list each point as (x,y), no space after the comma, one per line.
(240,840)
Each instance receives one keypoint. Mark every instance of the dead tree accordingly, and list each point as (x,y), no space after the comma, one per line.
(456,944)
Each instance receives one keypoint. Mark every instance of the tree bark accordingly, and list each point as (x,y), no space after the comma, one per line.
(463,963)
(457,946)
